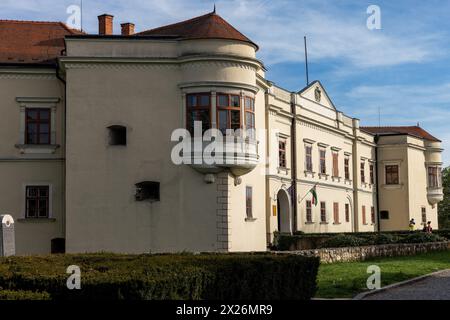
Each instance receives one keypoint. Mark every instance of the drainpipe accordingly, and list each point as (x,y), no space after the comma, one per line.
(294,161)
(63,138)
(377,137)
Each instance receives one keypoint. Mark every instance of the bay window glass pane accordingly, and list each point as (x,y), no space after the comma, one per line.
(191,100)
(235,101)
(204,101)
(223,121)
(222,100)
(235,120)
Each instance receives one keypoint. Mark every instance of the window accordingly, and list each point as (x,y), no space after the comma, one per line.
(372,177)
(37,127)
(335,164)
(248,202)
(384,215)
(282,153)
(308,158)
(347,168)
(347,212)
(228,112)
(117,135)
(424,215)
(198,109)
(322,157)
(392,174)
(372,214)
(363,172)
(249,104)
(37,202)
(323,212)
(308,211)
(364,220)
(434,177)
(336,212)
(147,191)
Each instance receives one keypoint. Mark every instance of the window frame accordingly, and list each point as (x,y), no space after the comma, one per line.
(323,212)
(249,112)
(229,110)
(347,167)
(322,161)
(282,159)
(371,173)
(308,204)
(38,122)
(363,213)
(336,213)
(249,202)
(362,171)
(48,199)
(423,211)
(197,107)
(335,157)
(308,158)
(347,212)
(434,177)
(389,176)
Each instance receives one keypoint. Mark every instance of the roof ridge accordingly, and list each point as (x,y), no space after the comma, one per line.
(30,21)
(177,23)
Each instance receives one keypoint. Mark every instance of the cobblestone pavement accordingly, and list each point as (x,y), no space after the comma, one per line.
(435,287)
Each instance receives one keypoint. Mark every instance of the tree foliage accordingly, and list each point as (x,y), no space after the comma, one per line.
(444,206)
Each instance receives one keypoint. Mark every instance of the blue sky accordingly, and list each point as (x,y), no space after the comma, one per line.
(401,69)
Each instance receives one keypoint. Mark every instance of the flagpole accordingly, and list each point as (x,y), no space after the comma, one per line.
(315,185)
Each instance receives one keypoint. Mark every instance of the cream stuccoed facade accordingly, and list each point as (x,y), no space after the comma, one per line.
(145,84)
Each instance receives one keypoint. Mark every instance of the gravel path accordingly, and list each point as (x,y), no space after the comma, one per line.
(435,287)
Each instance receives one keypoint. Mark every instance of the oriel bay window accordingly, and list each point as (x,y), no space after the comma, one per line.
(434,177)
(198,109)
(37,126)
(228,112)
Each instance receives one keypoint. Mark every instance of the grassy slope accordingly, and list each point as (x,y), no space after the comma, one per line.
(345,280)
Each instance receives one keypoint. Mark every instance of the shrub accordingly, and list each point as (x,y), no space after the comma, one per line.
(343,240)
(421,237)
(23,295)
(283,242)
(384,238)
(169,276)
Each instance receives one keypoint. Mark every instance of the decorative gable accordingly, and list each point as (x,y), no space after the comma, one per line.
(316,92)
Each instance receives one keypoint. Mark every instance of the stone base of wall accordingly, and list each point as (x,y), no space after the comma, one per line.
(332,255)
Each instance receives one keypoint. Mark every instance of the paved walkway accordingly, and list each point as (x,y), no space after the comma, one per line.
(435,287)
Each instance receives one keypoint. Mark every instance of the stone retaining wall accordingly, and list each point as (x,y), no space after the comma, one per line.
(332,255)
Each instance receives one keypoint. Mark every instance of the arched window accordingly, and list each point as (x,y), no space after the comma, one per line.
(198,109)
(228,112)
(117,135)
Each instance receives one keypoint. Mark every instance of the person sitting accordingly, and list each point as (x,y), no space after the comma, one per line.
(412,223)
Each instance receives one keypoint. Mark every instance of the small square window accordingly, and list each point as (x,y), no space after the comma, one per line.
(384,215)
(117,136)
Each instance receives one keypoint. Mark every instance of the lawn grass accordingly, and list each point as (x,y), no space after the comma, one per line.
(345,280)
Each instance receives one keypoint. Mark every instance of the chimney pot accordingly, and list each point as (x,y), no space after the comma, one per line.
(127,29)
(105,24)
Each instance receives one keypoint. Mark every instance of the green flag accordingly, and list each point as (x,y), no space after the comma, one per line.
(314,195)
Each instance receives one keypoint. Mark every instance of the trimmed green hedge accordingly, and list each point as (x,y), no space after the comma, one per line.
(23,295)
(284,242)
(159,277)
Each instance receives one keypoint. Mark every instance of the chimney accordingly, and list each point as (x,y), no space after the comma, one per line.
(105,24)
(127,29)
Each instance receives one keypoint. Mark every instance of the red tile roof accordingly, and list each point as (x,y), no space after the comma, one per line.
(415,131)
(208,26)
(32,41)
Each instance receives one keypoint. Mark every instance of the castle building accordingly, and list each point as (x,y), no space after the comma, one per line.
(88,156)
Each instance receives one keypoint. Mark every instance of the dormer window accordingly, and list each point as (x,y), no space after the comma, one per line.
(117,135)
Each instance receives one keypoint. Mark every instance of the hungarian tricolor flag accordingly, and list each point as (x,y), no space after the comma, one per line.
(314,195)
